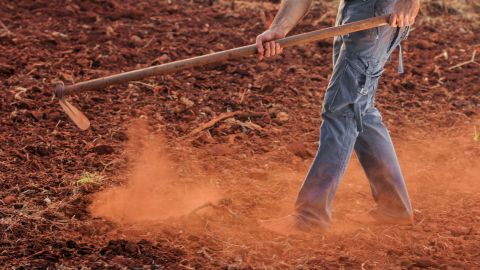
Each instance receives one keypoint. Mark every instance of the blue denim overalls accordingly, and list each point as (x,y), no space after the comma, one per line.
(351,121)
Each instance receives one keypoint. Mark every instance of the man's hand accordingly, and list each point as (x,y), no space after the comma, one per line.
(404,13)
(287,17)
(266,45)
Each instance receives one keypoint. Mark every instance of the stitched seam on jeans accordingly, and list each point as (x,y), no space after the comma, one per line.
(343,163)
(346,154)
(336,89)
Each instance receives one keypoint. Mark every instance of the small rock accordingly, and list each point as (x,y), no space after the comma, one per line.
(39,150)
(110,31)
(136,39)
(47,200)
(187,102)
(37,115)
(179,108)
(67,77)
(268,88)
(163,59)
(54,116)
(18,115)
(120,136)
(424,44)
(300,150)
(282,117)
(207,110)
(262,66)
(9,199)
(103,149)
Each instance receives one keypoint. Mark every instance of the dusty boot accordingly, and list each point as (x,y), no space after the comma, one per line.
(373,218)
(288,225)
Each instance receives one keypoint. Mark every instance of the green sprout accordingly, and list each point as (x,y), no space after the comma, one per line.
(90,178)
(476,135)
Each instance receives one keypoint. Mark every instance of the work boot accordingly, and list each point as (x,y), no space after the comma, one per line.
(288,225)
(373,218)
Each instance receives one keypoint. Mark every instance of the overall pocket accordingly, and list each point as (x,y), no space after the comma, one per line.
(355,84)
(401,33)
(367,76)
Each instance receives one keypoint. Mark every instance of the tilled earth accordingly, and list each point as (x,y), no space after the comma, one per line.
(257,159)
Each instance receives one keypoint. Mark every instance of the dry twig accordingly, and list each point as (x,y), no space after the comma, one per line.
(7,31)
(219,118)
(471,61)
(249,125)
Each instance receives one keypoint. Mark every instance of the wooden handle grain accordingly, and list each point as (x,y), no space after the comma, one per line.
(218,57)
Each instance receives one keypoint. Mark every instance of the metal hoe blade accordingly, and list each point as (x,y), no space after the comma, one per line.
(75,114)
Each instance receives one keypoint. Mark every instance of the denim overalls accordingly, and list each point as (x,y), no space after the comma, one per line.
(351,121)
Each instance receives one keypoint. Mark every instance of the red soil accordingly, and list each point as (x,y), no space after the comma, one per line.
(251,172)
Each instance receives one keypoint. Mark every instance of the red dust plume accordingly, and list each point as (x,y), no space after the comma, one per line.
(154,190)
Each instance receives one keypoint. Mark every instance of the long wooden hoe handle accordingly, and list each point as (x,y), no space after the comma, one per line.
(218,57)
(82,121)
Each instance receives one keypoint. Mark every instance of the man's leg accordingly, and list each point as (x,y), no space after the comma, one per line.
(337,135)
(358,60)
(337,138)
(376,153)
(314,202)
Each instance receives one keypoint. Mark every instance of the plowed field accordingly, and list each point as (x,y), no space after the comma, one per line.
(139,190)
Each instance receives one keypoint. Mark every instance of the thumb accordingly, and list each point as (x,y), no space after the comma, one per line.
(392,20)
(259,43)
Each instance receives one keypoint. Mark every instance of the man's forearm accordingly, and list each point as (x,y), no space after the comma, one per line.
(290,13)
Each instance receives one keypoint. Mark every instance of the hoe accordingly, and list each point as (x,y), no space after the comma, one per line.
(82,122)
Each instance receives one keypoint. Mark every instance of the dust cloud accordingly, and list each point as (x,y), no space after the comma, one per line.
(154,191)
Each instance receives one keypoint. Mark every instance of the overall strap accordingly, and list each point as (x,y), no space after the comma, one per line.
(400,59)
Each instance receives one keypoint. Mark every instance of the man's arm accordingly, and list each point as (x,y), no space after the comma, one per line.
(290,13)
(404,13)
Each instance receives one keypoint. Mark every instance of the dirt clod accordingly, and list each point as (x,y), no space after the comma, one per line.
(9,199)
(282,117)
(300,150)
(103,149)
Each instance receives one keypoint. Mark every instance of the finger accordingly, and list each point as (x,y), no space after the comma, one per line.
(412,20)
(260,48)
(259,44)
(267,49)
(393,20)
(401,21)
(273,48)
(405,20)
(408,20)
(278,49)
